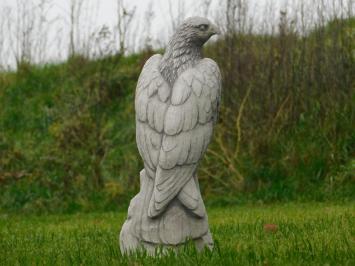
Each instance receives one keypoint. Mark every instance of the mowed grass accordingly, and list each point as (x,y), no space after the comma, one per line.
(305,234)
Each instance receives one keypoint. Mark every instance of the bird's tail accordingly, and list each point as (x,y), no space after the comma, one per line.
(190,197)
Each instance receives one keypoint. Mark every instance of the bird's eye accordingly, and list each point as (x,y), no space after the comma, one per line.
(203,27)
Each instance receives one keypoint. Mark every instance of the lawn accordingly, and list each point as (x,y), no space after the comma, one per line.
(305,234)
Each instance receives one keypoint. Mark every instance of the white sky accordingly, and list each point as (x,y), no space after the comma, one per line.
(96,13)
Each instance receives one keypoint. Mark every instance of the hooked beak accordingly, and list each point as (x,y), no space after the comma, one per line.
(215,30)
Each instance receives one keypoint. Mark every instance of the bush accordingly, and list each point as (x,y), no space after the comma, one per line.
(67,139)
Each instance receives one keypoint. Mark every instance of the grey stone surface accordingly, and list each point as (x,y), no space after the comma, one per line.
(177,99)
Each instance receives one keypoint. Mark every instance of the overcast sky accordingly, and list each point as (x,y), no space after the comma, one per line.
(97,13)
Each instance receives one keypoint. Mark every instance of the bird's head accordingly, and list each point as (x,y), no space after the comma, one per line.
(196,30)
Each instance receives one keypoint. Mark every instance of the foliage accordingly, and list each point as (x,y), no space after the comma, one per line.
(286,129)
(302,234)
(68,126)
(287,124)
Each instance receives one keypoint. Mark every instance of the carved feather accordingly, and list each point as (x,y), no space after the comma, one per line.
(174,127)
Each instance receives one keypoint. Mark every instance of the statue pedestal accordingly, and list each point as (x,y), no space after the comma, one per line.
(172,229)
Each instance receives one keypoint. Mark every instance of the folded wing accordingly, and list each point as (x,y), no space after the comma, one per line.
(186,132)
(151,103)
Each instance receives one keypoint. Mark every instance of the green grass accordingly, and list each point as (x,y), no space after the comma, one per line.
(285,131)
(307,234)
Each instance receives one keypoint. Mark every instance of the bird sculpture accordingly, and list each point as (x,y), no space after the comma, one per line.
(176,103)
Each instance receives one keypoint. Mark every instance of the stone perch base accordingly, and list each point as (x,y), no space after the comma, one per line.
(170,230)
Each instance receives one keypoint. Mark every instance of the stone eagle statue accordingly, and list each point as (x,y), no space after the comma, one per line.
(176,103)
